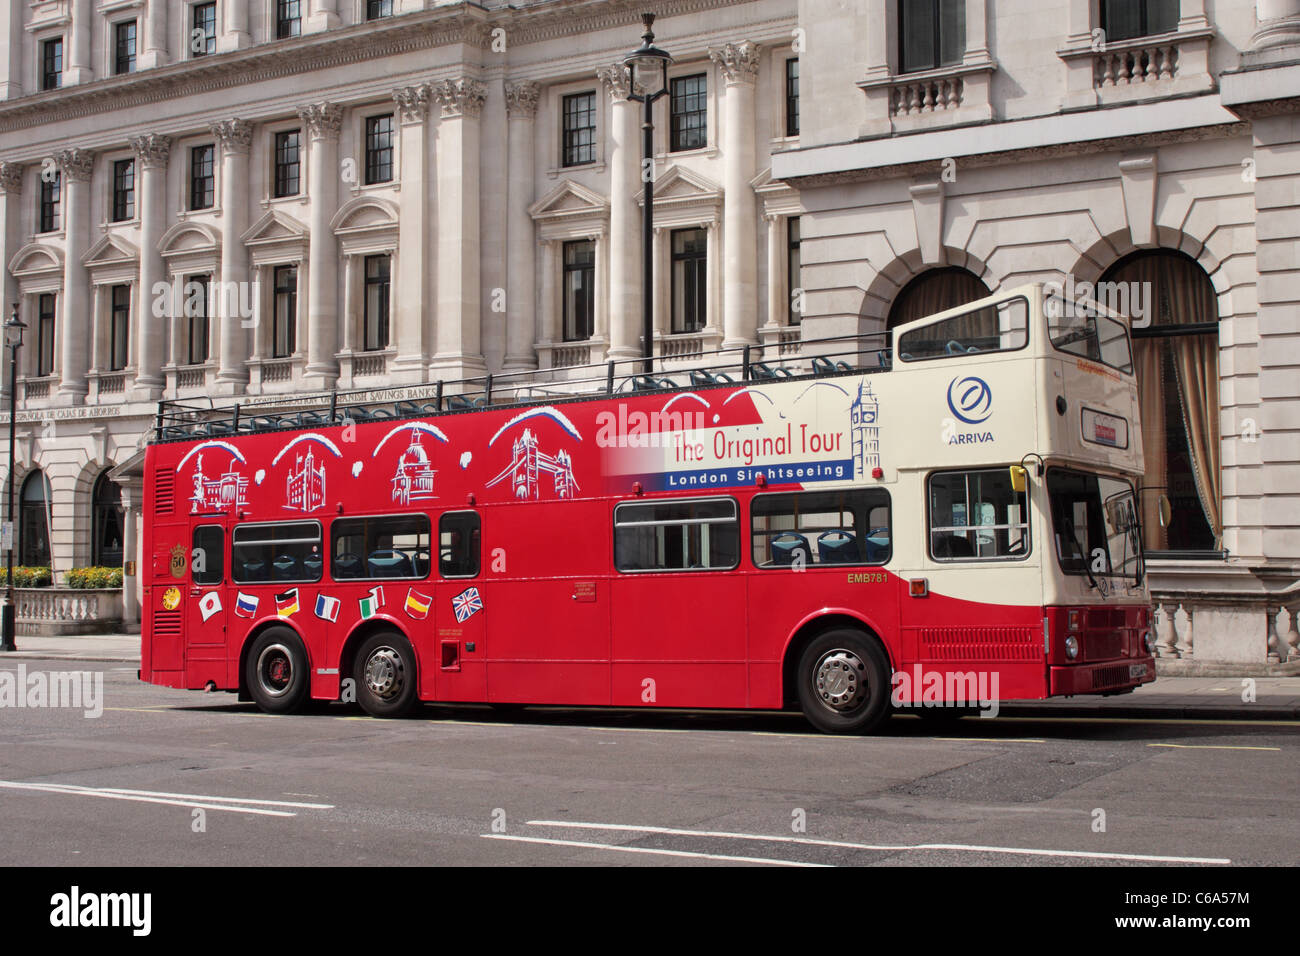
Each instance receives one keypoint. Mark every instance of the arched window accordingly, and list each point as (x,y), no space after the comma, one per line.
(106,523)
(33,523)
(935,291)
(1176,354)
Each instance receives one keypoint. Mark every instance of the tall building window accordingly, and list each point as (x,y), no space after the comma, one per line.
(106,523)
(792,96)
(795,291)
(33,522)
(1126,19)
(123,190)
(375,318)
(379,149)
(119,330)
(931,34)
(690,280)
(45,334)
(288,162)
(1176,362)
(52,64)
(47,213)
(579,129)
(288,18)
(579,290)
(124,47)
(285,319)
(197,292)
(203,29)
(203,180)
(377,9)
(689,113)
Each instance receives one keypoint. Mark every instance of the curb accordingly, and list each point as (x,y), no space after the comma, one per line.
(1153,712)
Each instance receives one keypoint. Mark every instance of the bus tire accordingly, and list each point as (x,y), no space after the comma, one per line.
(843,679)
(386,675)
(276,671)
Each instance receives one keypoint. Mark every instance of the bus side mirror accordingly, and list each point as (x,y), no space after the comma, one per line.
(1019,479)
(1166,512)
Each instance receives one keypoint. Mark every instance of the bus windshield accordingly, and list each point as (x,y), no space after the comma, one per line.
(1096,526)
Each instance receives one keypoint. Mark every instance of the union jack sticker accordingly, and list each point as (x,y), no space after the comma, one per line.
(466,604)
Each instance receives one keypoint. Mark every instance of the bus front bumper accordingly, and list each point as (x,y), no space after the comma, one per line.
(1102,677)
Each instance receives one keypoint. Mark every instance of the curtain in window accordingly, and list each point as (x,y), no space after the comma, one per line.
(937,291)
(1181,294)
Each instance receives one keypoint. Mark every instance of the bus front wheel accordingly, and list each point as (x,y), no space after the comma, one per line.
(844,682)
(275,671)
(386,675)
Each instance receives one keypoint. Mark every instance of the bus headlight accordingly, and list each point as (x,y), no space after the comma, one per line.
(1072,647)
(1149,639)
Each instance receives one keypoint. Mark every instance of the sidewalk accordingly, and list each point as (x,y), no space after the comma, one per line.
(1201,698)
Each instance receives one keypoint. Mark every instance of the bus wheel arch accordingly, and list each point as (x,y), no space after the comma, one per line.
(275,668)
(830,663)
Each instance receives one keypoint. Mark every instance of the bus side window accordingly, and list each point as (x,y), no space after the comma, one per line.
(459,544)
(207,559)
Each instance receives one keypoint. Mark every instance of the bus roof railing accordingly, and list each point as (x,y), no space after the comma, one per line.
(183,420)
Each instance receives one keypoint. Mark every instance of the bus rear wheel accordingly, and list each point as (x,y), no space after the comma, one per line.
(386,675)
(843,680)
(275,671)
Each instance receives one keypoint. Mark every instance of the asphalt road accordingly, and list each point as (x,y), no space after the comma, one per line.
(181,778)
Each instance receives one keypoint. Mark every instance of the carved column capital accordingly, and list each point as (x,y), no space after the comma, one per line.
(617,79)
(75,164)
(522,98)
(462,97)
(413,102)
(323,120)
(11,178)
(152,149)
(234,135)
(738,61)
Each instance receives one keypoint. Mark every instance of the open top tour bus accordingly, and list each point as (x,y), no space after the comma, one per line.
(944,515)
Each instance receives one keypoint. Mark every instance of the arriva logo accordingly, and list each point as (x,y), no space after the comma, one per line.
(970,399)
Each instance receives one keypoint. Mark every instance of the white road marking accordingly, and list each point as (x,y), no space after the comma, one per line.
(1211,747)
(193,801)
(643,849)
(806,841)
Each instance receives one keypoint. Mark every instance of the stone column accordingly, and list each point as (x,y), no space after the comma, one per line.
(324,15)
(77,69)
(411,320)
(351,263)
(739,65)
(236,35)
(777,293)
(155,35)
(99,330)
(1279,24)
(152,152)
(548,322)
(713,280)
(521,290)
(132,499)
(323,122)
(624,215)
(459,313)
(234,137)
(663,281)
(11,189)
(75,166)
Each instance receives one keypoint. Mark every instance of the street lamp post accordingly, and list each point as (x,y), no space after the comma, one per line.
(14,329)
(648,66)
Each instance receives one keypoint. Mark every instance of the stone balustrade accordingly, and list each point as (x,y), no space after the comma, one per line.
(53,612)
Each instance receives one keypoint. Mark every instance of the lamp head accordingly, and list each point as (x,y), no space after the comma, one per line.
(647,63)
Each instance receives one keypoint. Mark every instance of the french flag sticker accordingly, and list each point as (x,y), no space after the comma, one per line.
(327,608)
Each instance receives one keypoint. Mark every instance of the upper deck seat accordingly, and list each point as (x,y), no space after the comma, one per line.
(346,565)
(838,547)
(389,563)
(786,545)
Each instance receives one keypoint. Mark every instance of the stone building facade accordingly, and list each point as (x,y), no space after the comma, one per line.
(1075,141)
(254,198)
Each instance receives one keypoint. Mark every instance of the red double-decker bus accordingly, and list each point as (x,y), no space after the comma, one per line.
(944,515)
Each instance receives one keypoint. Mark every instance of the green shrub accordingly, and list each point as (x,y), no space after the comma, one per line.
(31,577)
(93,578)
